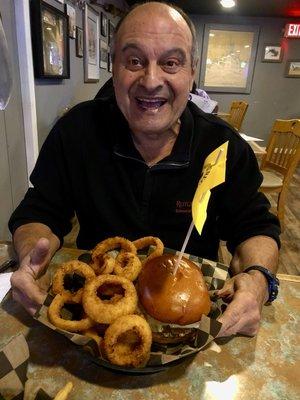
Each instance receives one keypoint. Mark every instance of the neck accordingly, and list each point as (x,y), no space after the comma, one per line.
(153,147)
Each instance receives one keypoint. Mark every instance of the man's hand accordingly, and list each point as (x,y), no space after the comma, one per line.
(25,287)
(246,294)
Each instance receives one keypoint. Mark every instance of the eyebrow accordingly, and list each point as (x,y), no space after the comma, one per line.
(168,53)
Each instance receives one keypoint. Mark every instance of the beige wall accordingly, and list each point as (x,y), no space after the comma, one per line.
(13,170)
(272,95)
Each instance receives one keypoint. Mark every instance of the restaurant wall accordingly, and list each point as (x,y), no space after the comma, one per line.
(13,168)
(272,95)
(53,97)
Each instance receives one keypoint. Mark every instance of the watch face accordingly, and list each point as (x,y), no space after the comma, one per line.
(273,288)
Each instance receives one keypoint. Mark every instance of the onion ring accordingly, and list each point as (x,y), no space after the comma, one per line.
(105,311)
(93,334)
(103,265)
(107,245)
(71,267)
(61,323)
(127,341)
(128,265)
(148,241)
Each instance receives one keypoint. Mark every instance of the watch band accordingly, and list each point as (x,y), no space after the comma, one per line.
(273,281)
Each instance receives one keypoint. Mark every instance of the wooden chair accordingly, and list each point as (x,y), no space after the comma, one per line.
(280,161)
(237,114)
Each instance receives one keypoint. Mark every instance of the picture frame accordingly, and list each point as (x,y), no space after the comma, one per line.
(79,42)
(91,30)
(103,54)
(104,24)
(109,62)
(71,12)
(228,58)
(292,68)
(111,30)
(272,53)
(50,44)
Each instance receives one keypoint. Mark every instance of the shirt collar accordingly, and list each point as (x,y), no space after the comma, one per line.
(123,145)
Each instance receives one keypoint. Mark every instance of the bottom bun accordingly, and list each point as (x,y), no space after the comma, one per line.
(174,336)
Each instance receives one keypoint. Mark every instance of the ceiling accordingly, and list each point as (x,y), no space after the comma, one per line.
(253,8)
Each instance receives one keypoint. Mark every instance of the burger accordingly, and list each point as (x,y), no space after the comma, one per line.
(172,302)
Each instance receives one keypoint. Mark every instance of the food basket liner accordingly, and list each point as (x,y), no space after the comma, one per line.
(215,275)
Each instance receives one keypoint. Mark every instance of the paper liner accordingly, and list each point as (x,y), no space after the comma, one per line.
(13,368)
(215,275)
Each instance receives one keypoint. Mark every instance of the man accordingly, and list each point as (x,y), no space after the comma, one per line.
(130,165)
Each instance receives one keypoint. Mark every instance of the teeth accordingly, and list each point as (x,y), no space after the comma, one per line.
(150,103)
(150,100)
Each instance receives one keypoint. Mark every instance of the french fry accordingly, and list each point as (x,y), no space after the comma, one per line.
(64,392)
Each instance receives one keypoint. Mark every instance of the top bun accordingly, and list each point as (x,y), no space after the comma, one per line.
(181,299)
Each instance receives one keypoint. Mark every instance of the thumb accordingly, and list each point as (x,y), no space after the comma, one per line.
(39,256)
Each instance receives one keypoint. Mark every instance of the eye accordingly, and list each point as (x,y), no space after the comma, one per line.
(171,65)
(134,63)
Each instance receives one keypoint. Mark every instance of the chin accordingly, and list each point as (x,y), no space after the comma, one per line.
(166,298)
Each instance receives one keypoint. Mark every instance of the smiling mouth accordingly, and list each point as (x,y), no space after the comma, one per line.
(150,104)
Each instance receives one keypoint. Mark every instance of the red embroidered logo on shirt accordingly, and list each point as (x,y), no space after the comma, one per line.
(183,206)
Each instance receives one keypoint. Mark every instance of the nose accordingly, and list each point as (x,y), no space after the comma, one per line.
(152,77)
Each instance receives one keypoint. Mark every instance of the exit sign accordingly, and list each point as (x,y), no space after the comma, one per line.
(292,31)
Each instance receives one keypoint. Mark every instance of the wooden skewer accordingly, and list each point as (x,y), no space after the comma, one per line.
(178,261)
(189,232)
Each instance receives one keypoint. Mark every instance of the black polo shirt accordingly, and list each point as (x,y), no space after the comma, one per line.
(90,166)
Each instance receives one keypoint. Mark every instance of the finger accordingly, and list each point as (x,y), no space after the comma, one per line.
(40,251)
(38,258)
(29,306)
(241,316)
(227,289)
(26,284)
(243,327)
(230,319)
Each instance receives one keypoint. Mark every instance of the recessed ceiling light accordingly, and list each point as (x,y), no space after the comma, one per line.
(227,3)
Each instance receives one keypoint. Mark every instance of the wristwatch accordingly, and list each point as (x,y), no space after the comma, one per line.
(273,282)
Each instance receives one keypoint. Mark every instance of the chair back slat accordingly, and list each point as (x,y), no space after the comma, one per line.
(283,147)
(282,155)
(237,113)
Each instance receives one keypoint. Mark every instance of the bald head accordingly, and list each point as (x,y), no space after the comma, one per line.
(157,12)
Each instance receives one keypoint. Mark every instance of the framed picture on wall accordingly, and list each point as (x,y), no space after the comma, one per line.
(50,41)
(109,62)
(111,30)
(228,58)
(79,42)
(103,54)
(91,33)
(272,53)
(104,24)
(71,12)
(292,69)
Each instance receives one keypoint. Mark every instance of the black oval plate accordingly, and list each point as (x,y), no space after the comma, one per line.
(141,371)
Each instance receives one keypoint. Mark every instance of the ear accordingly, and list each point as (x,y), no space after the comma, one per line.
(192,80)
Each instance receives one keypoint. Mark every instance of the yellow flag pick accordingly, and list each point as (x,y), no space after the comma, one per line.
(213,174)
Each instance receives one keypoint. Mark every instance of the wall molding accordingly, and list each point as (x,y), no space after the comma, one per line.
(22,18)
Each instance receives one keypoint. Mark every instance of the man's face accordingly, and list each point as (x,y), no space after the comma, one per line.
(152,70)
